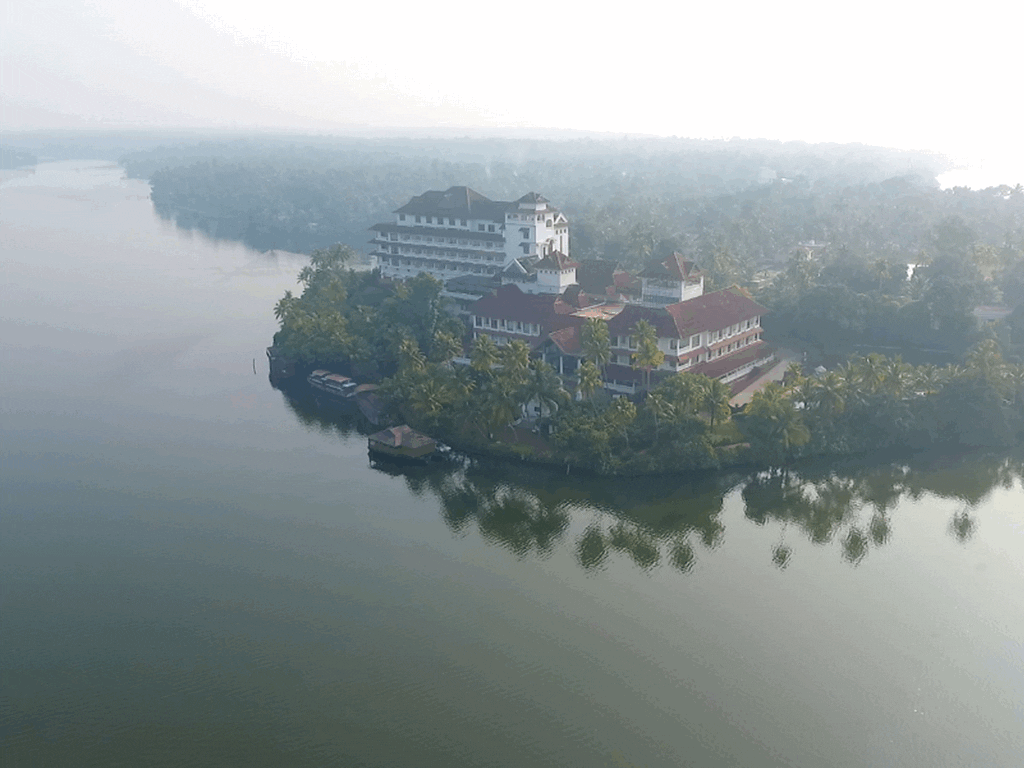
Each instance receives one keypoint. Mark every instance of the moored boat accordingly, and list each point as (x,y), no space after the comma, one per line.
(402,444)
(332,383)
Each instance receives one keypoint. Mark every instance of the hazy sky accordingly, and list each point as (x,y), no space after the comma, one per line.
(942,76)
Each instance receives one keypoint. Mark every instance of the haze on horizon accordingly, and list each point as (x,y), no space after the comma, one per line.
(905,75)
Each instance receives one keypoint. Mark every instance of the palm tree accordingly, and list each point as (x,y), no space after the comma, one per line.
(596,343)
(409,356)
(515,360)
(484,355)
(620,415)
(428,397)
(660,408)
(647,356)
(496,406)
(444,347)
(794,374)
(898,376)
(589,381)
(685,391)
(544,386)
(717,396)
(871,371)
(774,422)
(829,394)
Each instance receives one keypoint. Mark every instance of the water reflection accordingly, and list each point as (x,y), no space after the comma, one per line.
(852,506)
(664,522)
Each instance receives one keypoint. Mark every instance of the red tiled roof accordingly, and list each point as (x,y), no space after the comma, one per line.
(624,322)
(714,311)
(675,267)
(596,275)
(568,340)
(728,363)
(616,372)
(510,303)
(556,260)
(710,312)
(461,202)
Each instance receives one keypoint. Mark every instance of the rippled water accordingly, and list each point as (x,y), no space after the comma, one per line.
(198,569)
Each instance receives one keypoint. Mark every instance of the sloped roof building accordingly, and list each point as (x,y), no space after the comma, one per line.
(460,232)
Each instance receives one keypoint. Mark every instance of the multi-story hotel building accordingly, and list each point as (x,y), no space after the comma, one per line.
(460,232)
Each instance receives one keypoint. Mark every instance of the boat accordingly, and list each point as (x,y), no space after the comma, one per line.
(332,383)
(402,444)
(369,403)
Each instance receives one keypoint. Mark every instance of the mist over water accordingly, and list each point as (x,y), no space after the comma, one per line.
(200,569)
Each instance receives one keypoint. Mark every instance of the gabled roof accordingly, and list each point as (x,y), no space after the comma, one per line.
(510,303)
(533,198)
(556,260)
(461,202)
(596,275)
(714,311)
(568,340)
(403,436)
(675,267)
(471,284)
(710,312)
(624,322)
(515,269)
(575,297)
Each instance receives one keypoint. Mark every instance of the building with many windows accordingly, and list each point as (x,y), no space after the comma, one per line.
(460,232)
(506,266)
(717,334)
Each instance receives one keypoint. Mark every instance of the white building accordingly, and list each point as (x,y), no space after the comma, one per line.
(460,232)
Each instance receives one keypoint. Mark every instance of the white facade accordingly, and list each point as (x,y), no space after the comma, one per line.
(460,232)
(659,292)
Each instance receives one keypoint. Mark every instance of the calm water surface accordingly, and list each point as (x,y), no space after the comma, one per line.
(198,569)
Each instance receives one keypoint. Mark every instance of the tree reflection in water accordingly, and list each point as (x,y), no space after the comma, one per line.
(664,521)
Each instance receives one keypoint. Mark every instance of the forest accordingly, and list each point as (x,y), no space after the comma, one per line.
(626,199)
(822,234)
(508,403)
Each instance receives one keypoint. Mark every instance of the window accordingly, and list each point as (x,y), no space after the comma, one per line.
(464,222)
(525,231)
(490,227)
(419,219)
(401,217)
(695,340)
(480,227)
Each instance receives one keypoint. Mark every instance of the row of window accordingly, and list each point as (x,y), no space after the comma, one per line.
(449,222)
(510,326)
(438,266)
(713,354)
(728,348)
(681,345)
(394,236)
(449,254)
(531,217)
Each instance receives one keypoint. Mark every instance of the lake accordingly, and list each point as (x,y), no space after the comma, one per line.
(199,569)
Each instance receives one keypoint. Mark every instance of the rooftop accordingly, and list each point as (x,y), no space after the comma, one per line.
(460,202)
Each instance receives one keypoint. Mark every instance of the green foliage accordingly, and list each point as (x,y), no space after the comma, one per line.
(647,356)
(596,342)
